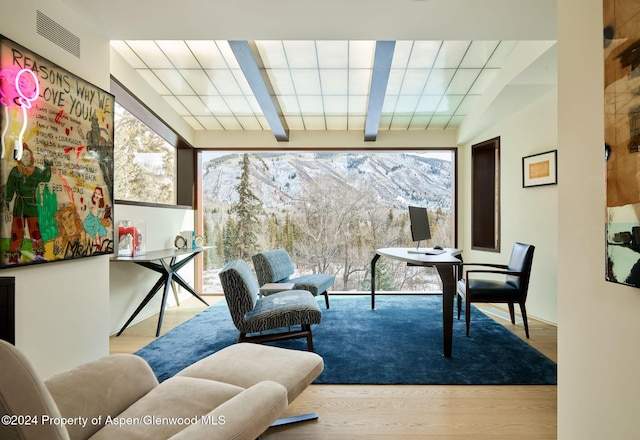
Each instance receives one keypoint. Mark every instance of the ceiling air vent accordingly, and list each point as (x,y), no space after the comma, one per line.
(57,34)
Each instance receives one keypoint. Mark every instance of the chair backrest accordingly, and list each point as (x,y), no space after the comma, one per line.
(24,394)
(521,261)
(273,266)
(240,289)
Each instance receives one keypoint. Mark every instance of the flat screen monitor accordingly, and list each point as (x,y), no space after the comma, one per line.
(419,220)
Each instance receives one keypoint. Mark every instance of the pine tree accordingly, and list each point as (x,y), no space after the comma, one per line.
(230,242)
(134,179)
(246,210)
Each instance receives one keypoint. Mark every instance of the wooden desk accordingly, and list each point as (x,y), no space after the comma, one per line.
(163,262)
(447,265)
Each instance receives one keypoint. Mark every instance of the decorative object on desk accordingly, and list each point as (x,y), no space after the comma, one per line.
(540,169)
(131,238)
(622,143)
(179,242)
(356,351)
(189,239)
(56,146)
(199,241)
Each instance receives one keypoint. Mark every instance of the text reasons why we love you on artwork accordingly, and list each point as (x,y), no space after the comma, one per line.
(56,162)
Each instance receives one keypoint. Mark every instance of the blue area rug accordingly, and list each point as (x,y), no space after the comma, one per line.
(398,343)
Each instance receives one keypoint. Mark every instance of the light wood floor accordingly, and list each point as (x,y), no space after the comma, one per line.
(402,412)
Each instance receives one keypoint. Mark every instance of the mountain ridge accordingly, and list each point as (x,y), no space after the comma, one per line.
(396,179)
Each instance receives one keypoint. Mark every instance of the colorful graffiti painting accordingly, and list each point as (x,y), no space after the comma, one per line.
(56,163)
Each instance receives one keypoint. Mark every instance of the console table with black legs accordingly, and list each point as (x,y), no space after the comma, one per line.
(166,263)
(446,263)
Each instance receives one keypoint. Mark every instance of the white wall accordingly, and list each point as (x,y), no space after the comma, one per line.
(61,308)
(64,310)
(528,215)
(130,282)
(598,350)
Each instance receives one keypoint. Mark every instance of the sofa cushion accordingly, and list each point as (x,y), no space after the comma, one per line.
(244,417)
(167,409)
(90,391)
(315,283)
(282,309)
(246,364)
(273,266)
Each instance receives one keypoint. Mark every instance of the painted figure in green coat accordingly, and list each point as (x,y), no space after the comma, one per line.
(22,183)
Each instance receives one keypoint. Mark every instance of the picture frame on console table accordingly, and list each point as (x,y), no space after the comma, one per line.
(540,169)
(56,162)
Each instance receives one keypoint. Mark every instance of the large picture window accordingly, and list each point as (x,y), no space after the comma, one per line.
(145,163)
(330,210)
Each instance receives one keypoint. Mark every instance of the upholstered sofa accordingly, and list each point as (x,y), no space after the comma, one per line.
(236,393)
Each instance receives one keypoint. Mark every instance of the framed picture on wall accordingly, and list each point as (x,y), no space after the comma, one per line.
(56,162)
(540,169)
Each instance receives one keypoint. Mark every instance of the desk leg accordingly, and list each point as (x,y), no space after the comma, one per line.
(375,259)
(448,277)
(178,279)
(144,302)
(175,293)
(168,282)
(173,268)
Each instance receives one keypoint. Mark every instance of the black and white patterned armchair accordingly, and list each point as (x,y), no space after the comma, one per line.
(267,318)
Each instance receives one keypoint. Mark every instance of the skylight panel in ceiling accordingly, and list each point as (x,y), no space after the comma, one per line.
(174,81)
(423,54)
(207,54)
(225,82)
(199,82)
(333,54)
(451,54)
(154,81)
(195,106)
(128,54)
(318,84)
(179,54)
(177,105)
(207,123)
(478,54)
(217,105)
(301,54)
(150,54)
(462,81)
(334,81)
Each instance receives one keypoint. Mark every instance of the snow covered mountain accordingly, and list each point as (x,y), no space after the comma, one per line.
(395,179)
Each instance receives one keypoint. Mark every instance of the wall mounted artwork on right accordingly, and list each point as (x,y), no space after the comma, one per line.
(622,139)
(540,169)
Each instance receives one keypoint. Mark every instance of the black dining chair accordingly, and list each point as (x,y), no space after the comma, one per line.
(510,288)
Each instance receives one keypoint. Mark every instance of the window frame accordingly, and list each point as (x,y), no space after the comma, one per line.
(199,191)
(485,195)
(185,164)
